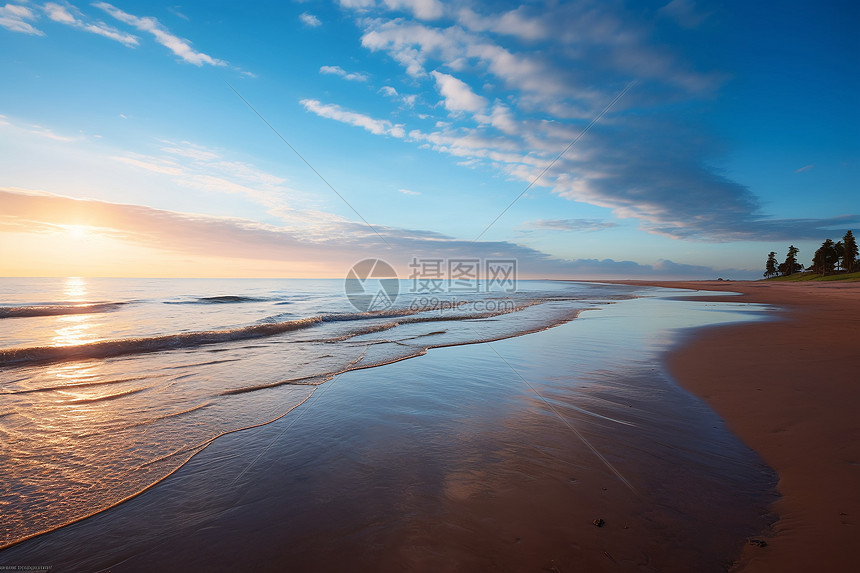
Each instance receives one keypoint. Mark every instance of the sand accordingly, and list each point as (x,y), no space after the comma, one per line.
(790,389)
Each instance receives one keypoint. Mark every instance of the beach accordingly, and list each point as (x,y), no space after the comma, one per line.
(789,389)
(640,434)
(563,449)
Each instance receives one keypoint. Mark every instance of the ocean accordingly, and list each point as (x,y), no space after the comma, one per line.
(110,386)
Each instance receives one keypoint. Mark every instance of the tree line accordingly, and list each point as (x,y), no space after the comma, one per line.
(830,257)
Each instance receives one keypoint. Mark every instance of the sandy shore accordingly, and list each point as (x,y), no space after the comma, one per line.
(791,390)
(452,461)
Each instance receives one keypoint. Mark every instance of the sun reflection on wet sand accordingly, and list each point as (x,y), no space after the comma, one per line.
(74,329)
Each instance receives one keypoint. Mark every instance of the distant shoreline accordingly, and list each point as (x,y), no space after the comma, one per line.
(789,390)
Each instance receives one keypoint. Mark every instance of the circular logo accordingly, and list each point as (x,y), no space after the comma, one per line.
(371,285)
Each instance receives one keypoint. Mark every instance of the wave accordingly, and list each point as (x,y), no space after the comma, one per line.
(112,348)
(70,386)
(16,357)
(314,380)
(224,299)
(108,397)
(58,309)
(148,421)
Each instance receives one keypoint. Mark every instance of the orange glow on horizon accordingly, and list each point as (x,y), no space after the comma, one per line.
(83,251)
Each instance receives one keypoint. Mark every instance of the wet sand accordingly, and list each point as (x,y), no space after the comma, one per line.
(790,389)
(451,462)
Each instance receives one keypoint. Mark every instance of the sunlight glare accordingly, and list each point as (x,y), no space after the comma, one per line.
(75,288)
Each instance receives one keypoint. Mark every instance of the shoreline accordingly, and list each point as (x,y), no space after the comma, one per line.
(452,462)
(788,389)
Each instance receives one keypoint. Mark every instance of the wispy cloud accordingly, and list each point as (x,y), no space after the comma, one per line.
(71,16)
(338,71)
(178,13)
(49,134)
(17,18)
(180,47)
(310,20)
(514,106)
(337,113)
(684,12)
(804,168)
(409,192)
(571,224)
(237,238)
(197,167)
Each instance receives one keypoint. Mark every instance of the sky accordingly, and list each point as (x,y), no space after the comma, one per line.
(587,139)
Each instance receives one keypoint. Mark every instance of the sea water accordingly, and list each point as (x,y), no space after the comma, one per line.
(107,386)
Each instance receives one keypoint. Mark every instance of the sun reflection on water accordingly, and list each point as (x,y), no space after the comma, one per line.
(75,288)
(74,329)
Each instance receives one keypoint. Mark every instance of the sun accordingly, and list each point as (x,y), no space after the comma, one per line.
(77,231)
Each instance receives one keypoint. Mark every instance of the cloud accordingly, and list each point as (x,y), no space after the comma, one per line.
(14,17)
(684,13)
(338,71)
(515,23)
(408,192)
(182,48)
(458,95)
(176,12)
(804,168)
(347,242)
(515,106)
(64,15)
(422,9)
(337,113)
(20,129)
(197,167)
(310,20)
(407,100)
(571,224)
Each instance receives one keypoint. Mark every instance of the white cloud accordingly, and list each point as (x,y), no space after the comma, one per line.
(458,95)
(337,113)
(409,192)
(63,14)
(338,71)
(408,100)
(310,20)
(182,48)
(13,17)
(357,4)
(422,9)
(639,165)
(514,23)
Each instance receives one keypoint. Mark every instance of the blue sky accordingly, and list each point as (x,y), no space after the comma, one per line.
(737,134)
